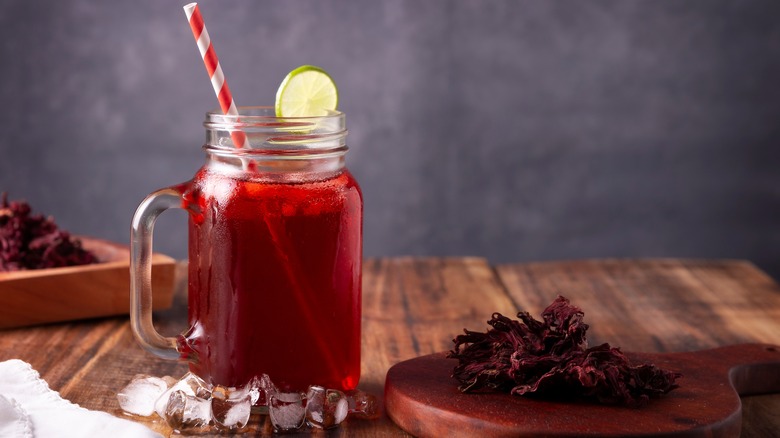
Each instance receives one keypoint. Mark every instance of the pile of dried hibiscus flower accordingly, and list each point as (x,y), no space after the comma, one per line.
(32,241)
(551,358)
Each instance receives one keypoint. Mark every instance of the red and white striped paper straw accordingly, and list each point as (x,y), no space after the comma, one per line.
(214,69)
(228,106)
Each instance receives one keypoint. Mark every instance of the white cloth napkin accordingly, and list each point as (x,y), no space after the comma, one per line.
(30,409)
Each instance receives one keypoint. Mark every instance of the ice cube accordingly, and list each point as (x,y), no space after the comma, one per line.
(194,385)
(325,408)
(230,408)
(140,395)
(362,404)
(265,388)
(184,411)
(286,411)
(259,390)
(189,384)
(162,403)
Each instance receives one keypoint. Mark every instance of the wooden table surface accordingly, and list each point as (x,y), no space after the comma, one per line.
(415,306)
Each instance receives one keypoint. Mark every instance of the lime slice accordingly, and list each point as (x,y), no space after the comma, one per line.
(307,91)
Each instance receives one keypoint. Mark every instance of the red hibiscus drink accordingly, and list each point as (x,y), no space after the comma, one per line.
(259,246)
(275,248)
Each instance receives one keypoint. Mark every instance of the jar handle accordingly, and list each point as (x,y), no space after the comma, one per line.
(141,272)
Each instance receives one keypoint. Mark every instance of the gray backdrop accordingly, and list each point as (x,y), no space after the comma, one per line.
(514,130)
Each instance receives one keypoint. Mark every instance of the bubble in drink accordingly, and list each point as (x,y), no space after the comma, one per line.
(362,404)
(231,408)
(286,411)
(325,408)
(140,395)
(183,411)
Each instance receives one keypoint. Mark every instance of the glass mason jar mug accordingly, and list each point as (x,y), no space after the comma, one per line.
(275,248)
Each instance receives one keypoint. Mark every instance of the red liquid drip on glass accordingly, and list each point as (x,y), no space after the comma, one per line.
(259,249)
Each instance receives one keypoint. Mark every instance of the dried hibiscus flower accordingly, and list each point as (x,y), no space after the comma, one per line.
(30,241)
(551,358)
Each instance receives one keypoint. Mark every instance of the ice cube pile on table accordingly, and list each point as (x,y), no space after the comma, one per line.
(190,404)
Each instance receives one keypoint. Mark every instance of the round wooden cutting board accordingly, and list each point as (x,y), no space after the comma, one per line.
(423,399)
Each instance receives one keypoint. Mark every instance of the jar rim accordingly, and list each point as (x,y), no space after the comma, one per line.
(265,131)
(249,116)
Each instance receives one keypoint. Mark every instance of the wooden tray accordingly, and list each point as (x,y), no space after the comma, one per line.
(78,292)
(423,399)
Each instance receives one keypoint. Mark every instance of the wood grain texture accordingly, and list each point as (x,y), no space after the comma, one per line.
(77,292)
(89,361)
(706,404)
(663,306)
(656,305)
(414,307)
(410,307)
